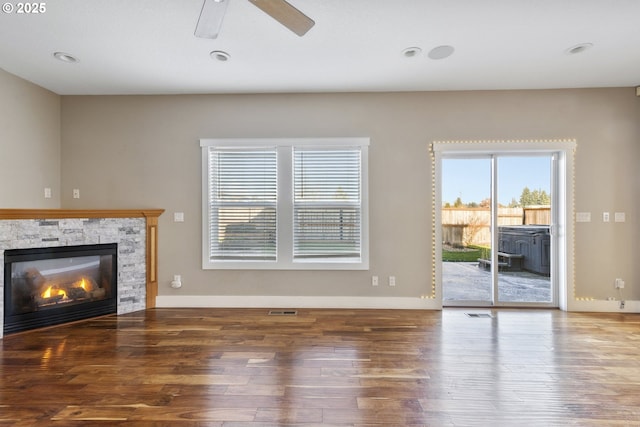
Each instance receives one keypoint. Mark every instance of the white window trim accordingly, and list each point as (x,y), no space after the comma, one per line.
(285,203)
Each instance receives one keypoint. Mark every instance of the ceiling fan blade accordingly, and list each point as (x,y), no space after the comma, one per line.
(286,14)
(211,17)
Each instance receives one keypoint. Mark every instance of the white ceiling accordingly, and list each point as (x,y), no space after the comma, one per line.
(148,46)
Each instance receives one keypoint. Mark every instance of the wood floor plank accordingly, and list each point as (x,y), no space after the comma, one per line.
(342,368)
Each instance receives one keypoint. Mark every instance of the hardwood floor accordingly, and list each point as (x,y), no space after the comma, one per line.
(239,367)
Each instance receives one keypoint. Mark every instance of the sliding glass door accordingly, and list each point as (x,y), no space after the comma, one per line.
(524,229)
(496,217)
(466,230)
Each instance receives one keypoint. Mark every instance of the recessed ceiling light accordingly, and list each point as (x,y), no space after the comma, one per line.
(220,55)
(65,57)
(441,52)
(579,48)
(410,52)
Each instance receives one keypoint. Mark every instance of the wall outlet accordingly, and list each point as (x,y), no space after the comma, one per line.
(619,284)
(47,193)
(76,193)
(176,282)
(374,280)
(392,280)
(621,305)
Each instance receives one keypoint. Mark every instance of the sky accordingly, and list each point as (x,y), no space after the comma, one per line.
(470,179)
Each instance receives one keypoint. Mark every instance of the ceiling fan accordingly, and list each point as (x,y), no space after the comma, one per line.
(213,12)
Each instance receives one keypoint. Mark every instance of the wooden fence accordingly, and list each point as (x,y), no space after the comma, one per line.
(471,226)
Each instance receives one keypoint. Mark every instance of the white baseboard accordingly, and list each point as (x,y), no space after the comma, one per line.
(604,306)
(254,301)
(400,303)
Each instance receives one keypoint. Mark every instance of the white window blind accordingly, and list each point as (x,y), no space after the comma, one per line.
(243,197)
(327,203)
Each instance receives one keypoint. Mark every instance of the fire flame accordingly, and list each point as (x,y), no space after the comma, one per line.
(53,292)
(56,290)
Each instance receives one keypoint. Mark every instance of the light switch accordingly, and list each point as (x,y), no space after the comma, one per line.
(178,217)
(605,216)
(47,193)
(583,216)
(619,217)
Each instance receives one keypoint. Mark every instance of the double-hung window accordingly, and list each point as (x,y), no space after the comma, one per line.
(242,210)
(285,203)
(326,203)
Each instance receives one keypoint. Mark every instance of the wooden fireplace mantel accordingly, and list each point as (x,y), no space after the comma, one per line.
(151,216)
(78,213)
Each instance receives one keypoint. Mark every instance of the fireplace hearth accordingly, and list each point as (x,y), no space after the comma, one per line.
(55,285)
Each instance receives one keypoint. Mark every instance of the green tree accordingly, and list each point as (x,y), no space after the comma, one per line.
(525,197)
(535,197)
(458,203)
(541,197)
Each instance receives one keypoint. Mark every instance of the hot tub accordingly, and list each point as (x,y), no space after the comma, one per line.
(531,241)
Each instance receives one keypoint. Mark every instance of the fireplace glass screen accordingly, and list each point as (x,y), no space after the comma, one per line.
(48,286)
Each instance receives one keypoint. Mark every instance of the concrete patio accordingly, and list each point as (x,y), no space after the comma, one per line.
(464,281)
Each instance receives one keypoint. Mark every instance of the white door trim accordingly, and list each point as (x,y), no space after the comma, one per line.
(564,229)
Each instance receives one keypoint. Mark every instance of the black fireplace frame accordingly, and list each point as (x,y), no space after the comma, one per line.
(63,314)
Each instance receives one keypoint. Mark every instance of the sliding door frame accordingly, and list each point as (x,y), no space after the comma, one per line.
(562,154)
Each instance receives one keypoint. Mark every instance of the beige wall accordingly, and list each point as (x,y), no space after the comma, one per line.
(29,144)
(143,151)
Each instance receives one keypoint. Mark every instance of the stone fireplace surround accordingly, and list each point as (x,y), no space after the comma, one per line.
(135,232)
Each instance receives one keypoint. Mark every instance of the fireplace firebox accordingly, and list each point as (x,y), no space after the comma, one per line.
(55,285)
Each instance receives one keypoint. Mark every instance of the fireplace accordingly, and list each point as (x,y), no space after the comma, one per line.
(50,286)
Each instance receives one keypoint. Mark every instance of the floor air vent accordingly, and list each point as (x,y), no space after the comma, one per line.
(479,315)
(283,312)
